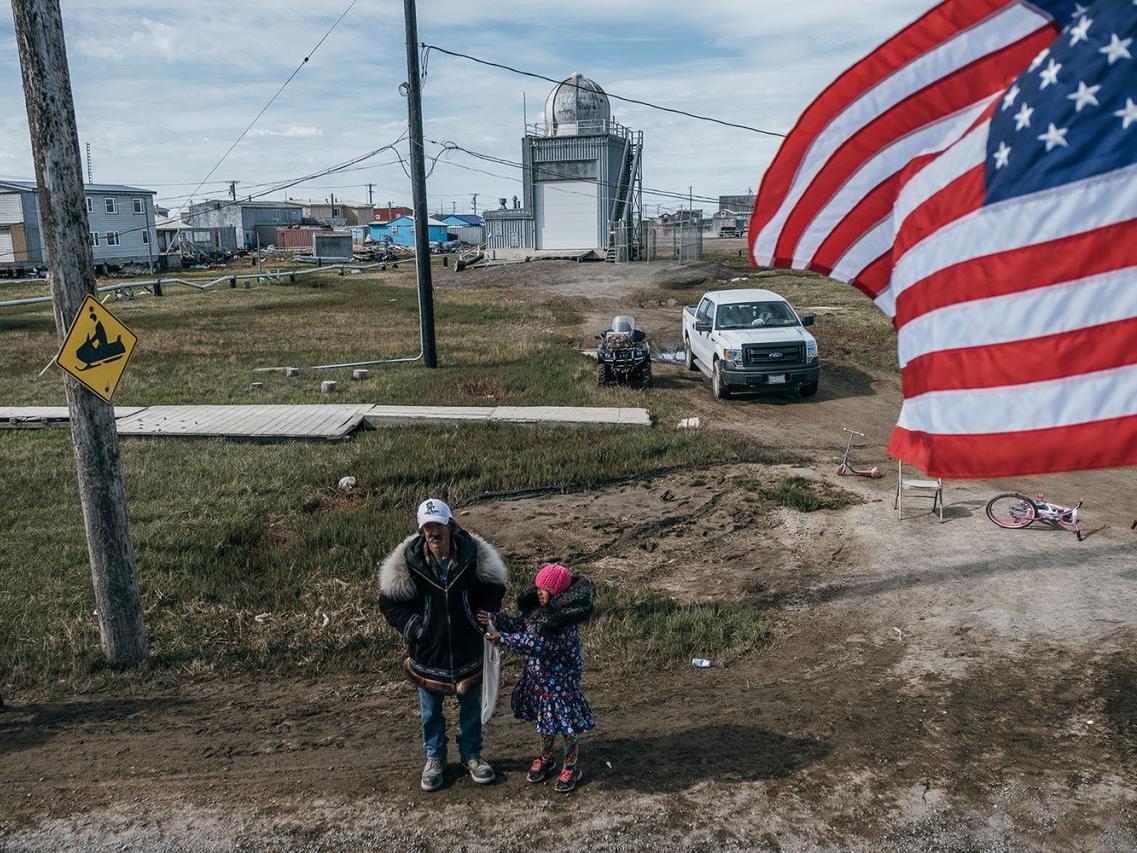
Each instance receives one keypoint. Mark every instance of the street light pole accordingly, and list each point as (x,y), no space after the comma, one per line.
(418,188)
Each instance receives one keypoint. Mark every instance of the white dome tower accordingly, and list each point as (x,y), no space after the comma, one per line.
(577,106)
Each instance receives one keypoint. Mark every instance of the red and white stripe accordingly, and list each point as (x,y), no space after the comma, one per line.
(1016,322)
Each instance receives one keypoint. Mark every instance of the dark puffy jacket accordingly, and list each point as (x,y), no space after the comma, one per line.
(443,637)
(571,607)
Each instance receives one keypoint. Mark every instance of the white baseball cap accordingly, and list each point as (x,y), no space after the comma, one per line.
(433,510)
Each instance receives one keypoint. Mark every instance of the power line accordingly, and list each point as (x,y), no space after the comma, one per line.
(451,146)
(187,218)
(429,47)
(271,100)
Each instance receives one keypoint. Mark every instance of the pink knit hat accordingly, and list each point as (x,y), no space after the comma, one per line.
(553,578)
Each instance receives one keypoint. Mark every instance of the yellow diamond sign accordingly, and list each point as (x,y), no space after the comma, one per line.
(97,348)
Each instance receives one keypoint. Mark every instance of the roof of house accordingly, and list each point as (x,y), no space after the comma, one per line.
(430,221)
(227,202)
(467,218)
(31,186)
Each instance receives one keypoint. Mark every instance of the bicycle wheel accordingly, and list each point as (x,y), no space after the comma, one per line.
(1011,510)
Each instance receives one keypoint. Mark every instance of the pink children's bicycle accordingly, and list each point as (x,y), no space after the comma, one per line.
(1014,510)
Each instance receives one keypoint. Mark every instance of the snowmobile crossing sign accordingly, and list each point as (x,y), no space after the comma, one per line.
(97,348)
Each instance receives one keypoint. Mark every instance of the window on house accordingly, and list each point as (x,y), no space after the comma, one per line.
(112,238)
(139,205)
(90,205)
(94,238)
(145,237)
(111,205)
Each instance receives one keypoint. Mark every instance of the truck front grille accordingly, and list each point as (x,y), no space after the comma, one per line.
(774,355)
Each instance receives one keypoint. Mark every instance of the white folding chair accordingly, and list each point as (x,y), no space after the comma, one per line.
(924,488)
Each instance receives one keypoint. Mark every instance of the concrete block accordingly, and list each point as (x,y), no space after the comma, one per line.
(328,386)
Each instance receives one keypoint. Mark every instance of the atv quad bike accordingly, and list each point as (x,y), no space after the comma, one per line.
(623,355)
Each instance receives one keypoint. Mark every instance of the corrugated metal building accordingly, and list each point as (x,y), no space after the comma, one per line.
(583,175)
(120,218)
(401,230)
(255,221)
(332,245)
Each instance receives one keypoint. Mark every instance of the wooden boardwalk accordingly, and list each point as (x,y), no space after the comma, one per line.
(326,422)
(317,422)
(36,417)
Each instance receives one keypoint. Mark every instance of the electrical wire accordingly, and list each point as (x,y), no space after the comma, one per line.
(451,146)
(429,47)
(187,218)
(272,100)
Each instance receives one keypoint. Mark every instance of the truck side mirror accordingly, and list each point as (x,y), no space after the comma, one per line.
(807,320)
(702,325)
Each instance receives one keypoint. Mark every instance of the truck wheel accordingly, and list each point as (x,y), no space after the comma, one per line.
(688,356)
(603,375)
(807,389)
(719,388)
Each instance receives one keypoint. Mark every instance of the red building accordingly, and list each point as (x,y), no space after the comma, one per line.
(386,214)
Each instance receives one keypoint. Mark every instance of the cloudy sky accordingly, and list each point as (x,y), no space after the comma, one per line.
(163,89)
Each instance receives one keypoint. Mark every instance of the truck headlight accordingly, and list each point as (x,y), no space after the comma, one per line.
(810,350)
(733,357)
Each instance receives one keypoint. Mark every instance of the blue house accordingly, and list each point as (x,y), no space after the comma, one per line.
(465,227)
(401,230)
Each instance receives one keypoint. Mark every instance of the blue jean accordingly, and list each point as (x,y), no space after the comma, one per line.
(434,723)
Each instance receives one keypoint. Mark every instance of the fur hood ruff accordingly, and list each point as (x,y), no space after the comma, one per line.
(396,583)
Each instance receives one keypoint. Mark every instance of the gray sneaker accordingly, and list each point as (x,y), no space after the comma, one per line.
(432,774)
(480,771)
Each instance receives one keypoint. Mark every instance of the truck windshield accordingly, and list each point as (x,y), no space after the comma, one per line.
(753,315)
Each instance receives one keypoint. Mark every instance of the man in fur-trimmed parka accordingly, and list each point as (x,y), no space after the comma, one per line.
(430,588)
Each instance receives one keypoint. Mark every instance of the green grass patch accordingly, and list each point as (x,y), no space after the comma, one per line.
(225,532)
(636,631)
(803,494)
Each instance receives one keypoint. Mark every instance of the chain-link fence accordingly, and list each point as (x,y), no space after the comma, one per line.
(678,241)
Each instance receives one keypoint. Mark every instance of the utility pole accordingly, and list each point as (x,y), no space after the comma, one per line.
(475,204)
(371,195)
(233,190)
(418,187)
(65,234)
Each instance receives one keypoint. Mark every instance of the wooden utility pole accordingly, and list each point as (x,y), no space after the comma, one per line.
(63,221)
(418,187)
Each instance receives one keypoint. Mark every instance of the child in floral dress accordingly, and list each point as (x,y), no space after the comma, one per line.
(548,693)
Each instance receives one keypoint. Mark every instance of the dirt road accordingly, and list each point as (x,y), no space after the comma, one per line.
(930,686)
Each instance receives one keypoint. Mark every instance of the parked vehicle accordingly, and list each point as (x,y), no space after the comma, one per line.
(750,340)
(623,354)
(729,231)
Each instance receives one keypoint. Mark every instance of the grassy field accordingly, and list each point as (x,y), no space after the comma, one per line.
(225,532)
(204,347)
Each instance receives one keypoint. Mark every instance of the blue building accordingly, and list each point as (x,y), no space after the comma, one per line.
(465,227)
(401,231)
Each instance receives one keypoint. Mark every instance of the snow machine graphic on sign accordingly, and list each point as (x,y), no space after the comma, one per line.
(97,350)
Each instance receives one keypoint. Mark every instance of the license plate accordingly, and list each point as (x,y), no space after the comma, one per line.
(776,379)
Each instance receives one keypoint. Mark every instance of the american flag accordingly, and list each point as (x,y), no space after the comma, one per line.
(976,176)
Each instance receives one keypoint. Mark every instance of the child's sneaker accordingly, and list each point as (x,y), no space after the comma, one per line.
(567,780)
(541,769)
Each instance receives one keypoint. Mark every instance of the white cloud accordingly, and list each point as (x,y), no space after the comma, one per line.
(294,131)
(162,90)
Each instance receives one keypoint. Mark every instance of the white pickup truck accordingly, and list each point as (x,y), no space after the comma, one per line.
(750,340)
